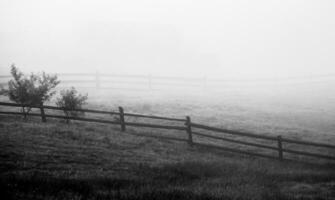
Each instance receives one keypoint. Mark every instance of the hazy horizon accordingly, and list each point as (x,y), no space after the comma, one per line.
(259,39)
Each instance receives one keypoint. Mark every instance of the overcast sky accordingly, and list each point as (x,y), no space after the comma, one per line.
(239,38)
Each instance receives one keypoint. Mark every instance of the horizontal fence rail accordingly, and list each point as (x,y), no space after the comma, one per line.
(153,117)
(154,126)
(63,117)
(147,82)
(187,126)
(236,141)
(232,132)
(308,143)
(58,108)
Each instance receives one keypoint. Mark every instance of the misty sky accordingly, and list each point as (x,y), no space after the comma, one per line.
(238,38)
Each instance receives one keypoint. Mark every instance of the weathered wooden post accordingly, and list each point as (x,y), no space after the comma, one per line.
(280,147)
(204,84)
(24,113)
(44,119)
(189,130)
(122,122)
(67,115)
(150,81)
(97,80)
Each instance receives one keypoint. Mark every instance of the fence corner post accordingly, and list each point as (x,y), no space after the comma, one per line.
(280,147)
(44,119)
(189,130)
(122,122)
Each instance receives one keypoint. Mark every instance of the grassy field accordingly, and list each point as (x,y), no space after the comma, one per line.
(55,160)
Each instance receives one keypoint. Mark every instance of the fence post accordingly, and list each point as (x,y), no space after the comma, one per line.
(44,119)
(122,122)
(24,113)
(280,147)
(204,83)
(150,81)
(97,79)
(189,130)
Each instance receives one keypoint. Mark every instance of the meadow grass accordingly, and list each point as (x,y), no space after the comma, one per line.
(55,160)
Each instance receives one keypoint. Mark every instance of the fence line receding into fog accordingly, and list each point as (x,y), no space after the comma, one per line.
(149,82)
(187,127)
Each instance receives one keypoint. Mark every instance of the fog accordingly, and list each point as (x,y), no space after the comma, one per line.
(238,39)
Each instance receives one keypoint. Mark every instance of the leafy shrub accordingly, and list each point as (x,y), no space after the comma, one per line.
(70,100)
(30,90)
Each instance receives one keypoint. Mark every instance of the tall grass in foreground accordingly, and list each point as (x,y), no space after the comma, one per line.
(86,161)
(179,181)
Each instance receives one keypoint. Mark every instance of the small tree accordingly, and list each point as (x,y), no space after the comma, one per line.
(70,100)
(31,90)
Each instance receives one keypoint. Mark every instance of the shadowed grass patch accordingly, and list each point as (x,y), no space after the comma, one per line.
(88,161)
(178,181)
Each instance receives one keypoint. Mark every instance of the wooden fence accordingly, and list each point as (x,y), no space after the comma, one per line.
(149,82)
(123,81)
(188,127)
